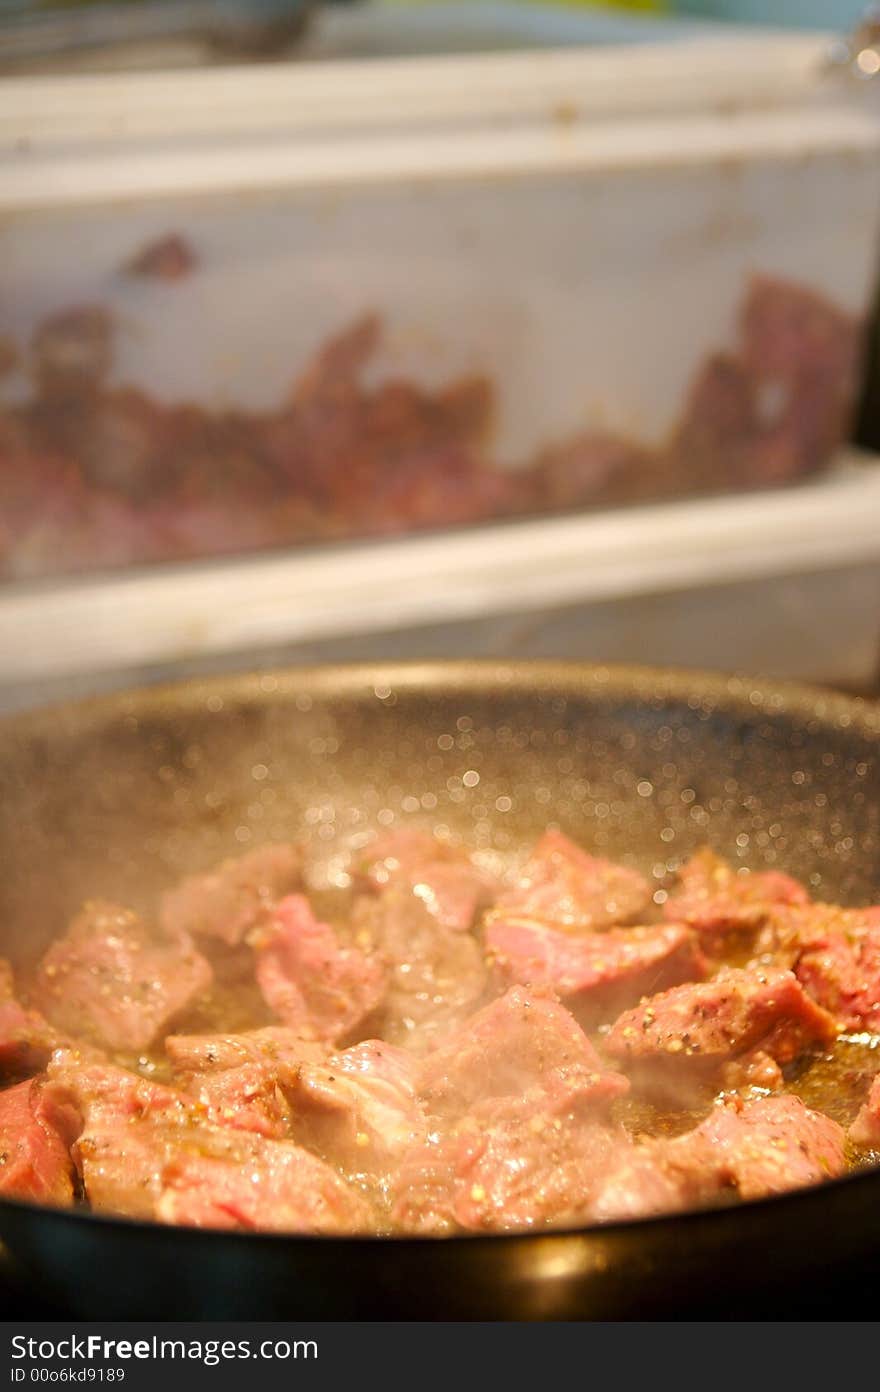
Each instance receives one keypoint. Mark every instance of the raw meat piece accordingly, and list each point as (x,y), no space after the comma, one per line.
(715,901)
(312,983)
(522,1044)
(111,980)
(509,1164)
(563,887)
(436,975)
(835,953)
(202,1053)
(442,876)
(596,974)
(686,1035)
(34,1159)
(26,1039)
(741,1151)
(231,1180)
(122,1129)
(250,1097)
(865,1130)
(359,1110)
(227,901)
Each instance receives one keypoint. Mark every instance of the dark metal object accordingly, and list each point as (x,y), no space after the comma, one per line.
(117,796)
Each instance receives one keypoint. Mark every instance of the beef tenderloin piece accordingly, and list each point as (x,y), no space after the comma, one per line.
(312,983)
(359,1109)
(834,953)
(442,876)
(205,1053)
(226,901)
(113,981)
(509,1164)
(523,1044)
(718,901)
(26,1038)
(595,974)
(35,1161)
(561,886)
(742,1150)
(865,1129)
(233,1180)
(681,1039)
(436,975)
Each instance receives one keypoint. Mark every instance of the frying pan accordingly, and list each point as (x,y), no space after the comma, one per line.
(116,797)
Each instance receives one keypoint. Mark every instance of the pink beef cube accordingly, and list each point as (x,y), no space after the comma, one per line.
(111,980)
(443,877)
(35,1161)
(226,901)
(689,1033)
(313,983)
(524,1043)
(716,900)
(563,887)
(596,974)
(231,1180)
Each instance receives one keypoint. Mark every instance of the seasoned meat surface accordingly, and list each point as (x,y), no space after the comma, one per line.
(596,974)
(694,1030)
(26,1038)
(227,901)
(96,472)
(315,985)
(563,887)
(716,901)
(443,1047)
(113,981)
(35,1162)
(835,953)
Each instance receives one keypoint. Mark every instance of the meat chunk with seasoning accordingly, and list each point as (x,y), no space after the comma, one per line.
(26,1038)
(687,1036)
(442,876)
(596,974)
(561,886)
(231,1180)
(523,1044)
(436,975)
(309,979)
(226,901)
(116,983)
(275,1044)
(35,1161)
(122,1129)
(717,901)
(358,1110)
(742,1150)
(865,1129)
(835,954)
(509,1164)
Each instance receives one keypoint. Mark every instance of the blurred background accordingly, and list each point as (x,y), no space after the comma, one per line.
(383,329)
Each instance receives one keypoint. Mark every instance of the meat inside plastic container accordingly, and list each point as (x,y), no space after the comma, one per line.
(97,472)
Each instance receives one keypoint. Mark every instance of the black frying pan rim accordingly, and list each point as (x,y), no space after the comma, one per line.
(732,692)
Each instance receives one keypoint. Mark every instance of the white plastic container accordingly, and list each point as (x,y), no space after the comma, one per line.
(602,276)
(578,231)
